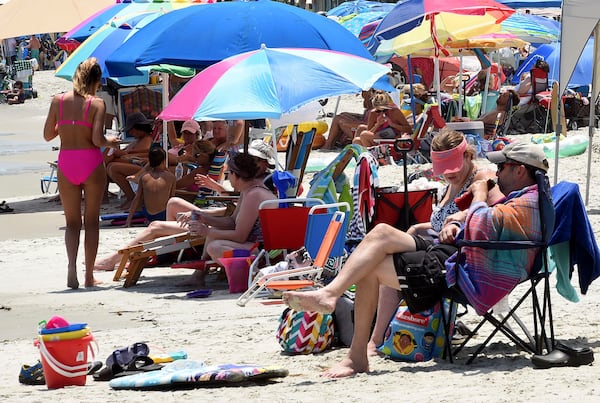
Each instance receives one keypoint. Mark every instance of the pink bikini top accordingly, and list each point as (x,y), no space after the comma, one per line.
(75,122)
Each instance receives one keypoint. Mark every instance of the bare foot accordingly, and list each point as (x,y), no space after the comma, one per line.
(347,367)
(126,204)
(311,301)
(372,349)
(72,282)
(195,280)
(92,283)
(106,264)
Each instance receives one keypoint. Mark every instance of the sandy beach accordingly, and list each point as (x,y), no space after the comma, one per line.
(217,331)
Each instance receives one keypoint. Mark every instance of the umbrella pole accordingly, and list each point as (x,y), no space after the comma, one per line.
(460,87)
(484,94)
(436,79)
(165,101)
(412,91)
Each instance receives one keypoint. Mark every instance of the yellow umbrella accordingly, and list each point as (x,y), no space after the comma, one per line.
(28,17)
(448,27)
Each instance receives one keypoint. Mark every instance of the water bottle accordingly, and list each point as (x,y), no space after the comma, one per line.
(194,222)
(179,171)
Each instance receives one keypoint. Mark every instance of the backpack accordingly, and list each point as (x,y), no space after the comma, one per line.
(305,332)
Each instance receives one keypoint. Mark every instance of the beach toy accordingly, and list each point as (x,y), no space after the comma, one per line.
(499,143)
(56,322)
(236,269)
(65,360)
(572,145)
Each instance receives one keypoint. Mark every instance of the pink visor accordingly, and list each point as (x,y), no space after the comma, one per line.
(448,161)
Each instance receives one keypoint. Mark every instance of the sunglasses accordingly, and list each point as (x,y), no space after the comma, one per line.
(503,164)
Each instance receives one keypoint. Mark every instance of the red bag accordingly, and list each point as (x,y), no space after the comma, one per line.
(390,209)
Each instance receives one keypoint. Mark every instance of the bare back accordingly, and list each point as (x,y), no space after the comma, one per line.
(158,186)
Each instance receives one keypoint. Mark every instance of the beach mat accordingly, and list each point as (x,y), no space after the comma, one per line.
(186,374)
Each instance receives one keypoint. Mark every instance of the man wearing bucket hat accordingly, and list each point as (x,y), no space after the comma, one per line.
(373,263)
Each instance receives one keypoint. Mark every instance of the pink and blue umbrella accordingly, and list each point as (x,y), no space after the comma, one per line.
(197,37)
(266,83)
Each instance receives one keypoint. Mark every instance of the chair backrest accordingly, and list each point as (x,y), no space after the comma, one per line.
(547,212)
(319,219)
(539,81)
(285,227)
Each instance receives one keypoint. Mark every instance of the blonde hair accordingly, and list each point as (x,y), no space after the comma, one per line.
(382,98)
(86,79)
(447,139)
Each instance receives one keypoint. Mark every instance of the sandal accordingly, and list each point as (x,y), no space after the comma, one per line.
(139,364)
(32,375)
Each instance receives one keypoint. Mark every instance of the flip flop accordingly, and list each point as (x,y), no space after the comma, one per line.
(138,365)
(202,293)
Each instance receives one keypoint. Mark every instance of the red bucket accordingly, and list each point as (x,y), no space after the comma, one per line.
(237,269)
(65,361)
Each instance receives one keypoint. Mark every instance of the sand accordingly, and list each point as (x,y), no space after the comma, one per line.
(216,330)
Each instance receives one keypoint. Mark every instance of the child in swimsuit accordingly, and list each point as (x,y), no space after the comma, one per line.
(155,187)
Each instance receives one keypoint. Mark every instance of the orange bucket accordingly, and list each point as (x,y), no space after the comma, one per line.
(237,269)
(65,361)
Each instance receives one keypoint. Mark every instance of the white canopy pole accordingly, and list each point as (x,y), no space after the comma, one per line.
(592,120)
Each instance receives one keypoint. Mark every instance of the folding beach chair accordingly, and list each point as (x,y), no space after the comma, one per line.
(47,180)
(138,255)
(543,327)
(324,238)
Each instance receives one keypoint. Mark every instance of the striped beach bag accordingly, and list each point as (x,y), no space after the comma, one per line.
(304,332)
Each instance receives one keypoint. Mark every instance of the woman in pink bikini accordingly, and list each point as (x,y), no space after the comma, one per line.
(77,117)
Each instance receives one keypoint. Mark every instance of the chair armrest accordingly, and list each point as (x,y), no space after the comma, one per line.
(510,245)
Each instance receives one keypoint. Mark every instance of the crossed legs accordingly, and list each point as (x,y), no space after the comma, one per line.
(368,267)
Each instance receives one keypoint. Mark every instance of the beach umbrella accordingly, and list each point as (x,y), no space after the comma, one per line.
(200,36)
(358,7)
(410,14)
(532,28)
(88,26)
(268,82)
(358,21)
(449,29)
(103,42)
(550,52)
(28,17)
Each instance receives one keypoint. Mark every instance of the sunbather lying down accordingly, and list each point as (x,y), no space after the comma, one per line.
(238,231)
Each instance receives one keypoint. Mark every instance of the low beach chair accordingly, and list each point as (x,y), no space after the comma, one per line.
(134,258)
(325,238)
(46,181)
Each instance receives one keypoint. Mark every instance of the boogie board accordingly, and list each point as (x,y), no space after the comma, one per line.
(120,216)
(189,373)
